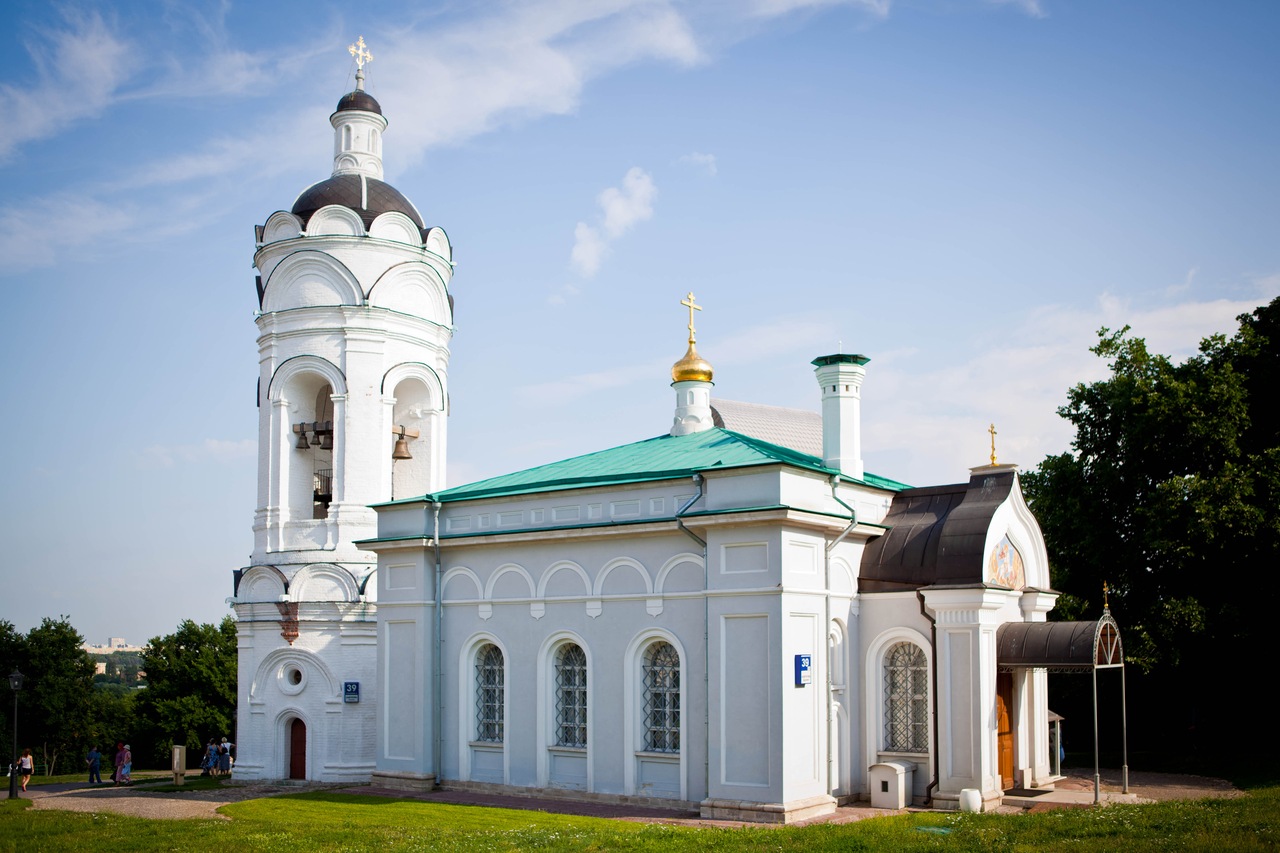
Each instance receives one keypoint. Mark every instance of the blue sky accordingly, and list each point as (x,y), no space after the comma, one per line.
(963,190)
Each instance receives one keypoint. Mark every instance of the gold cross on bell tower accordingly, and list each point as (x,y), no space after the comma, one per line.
(361,52)
(992,429)
(688,302)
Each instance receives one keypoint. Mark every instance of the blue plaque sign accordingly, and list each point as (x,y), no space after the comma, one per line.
(803,666)
(350,691)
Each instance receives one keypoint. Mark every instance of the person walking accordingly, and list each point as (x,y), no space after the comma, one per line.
(224,758)
(94,761)
(118,775)
(126,766)
(211,757)
(26,764)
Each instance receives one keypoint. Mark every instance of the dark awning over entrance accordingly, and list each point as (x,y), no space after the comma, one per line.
(1060,646)
(1070,647)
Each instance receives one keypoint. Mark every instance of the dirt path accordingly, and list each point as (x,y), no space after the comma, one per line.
(138,802)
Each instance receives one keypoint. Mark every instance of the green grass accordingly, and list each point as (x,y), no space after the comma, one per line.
(328,821)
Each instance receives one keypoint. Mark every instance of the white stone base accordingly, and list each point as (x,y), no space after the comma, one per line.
(754,812)
(950,801)
(403,781)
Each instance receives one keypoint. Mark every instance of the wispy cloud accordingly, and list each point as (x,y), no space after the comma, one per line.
(774,8)
(79,70)
(38,233)
(528,61)
(705,162)
(621,208)
(1018,384)
(1032,8)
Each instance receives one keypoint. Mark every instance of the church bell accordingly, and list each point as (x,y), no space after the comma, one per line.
(401,450)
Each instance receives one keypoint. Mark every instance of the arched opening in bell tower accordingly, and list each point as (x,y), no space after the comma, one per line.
(411,458)
(311,462)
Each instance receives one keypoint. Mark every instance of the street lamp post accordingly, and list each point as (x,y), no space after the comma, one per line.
(15,682)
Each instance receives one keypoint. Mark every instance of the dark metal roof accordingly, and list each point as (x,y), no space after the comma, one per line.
(936,535)
(346,190)
(359,100)
(1063,646)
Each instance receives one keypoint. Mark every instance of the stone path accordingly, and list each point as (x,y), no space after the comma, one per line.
(1076,789)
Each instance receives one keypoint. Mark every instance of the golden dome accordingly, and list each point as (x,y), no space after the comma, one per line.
(691,368)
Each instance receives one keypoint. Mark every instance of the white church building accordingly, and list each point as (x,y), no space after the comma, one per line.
(732,615)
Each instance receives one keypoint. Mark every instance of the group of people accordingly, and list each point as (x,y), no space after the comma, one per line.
(121,765)
(217,758)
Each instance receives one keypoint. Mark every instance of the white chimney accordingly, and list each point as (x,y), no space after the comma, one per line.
(840,377)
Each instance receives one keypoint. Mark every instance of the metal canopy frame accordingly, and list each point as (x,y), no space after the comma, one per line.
(1075,647)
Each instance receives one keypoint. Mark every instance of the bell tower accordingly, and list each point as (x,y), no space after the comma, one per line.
(354,324)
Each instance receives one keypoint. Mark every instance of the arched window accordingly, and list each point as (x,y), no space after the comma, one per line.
(571,696)
(661,670)
(906,699)
(490,679)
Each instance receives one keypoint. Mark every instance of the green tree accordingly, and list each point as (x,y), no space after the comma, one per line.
(191,685)
(12,656)
(56,702)
(1171,495)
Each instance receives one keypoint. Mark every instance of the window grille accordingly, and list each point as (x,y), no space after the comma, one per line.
(490,678)
(571,696)
(906,692)
(661,698)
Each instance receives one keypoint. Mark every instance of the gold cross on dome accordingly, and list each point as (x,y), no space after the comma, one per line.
(361,52)
(689,303)
(992,429)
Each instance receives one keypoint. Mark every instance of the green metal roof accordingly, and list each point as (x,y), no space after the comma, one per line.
(665,457)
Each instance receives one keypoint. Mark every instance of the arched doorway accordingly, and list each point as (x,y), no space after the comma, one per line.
(297,749)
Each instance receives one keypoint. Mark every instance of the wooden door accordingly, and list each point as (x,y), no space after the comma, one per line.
(1004,727)
(297,750)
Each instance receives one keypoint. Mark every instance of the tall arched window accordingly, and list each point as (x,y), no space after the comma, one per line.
(906,699)
(571,696)
(490,679)
(661,670)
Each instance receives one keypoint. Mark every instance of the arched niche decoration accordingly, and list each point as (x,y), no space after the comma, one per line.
(518,583)
(307,279)
(413,288)
(437,243)
(628,577)
(394,225)
(564,578)
(324,582)
(271,666)
(681,573)
(261,583)
(458,582)
(334,220)
(281,225)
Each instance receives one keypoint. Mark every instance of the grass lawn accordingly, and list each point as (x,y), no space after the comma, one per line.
(326,821)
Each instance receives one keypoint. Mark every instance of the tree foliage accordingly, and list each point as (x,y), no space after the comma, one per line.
(191,685)
(1171,495)
(55,701)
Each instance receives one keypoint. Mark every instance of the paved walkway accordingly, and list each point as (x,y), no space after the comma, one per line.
(1075,791)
